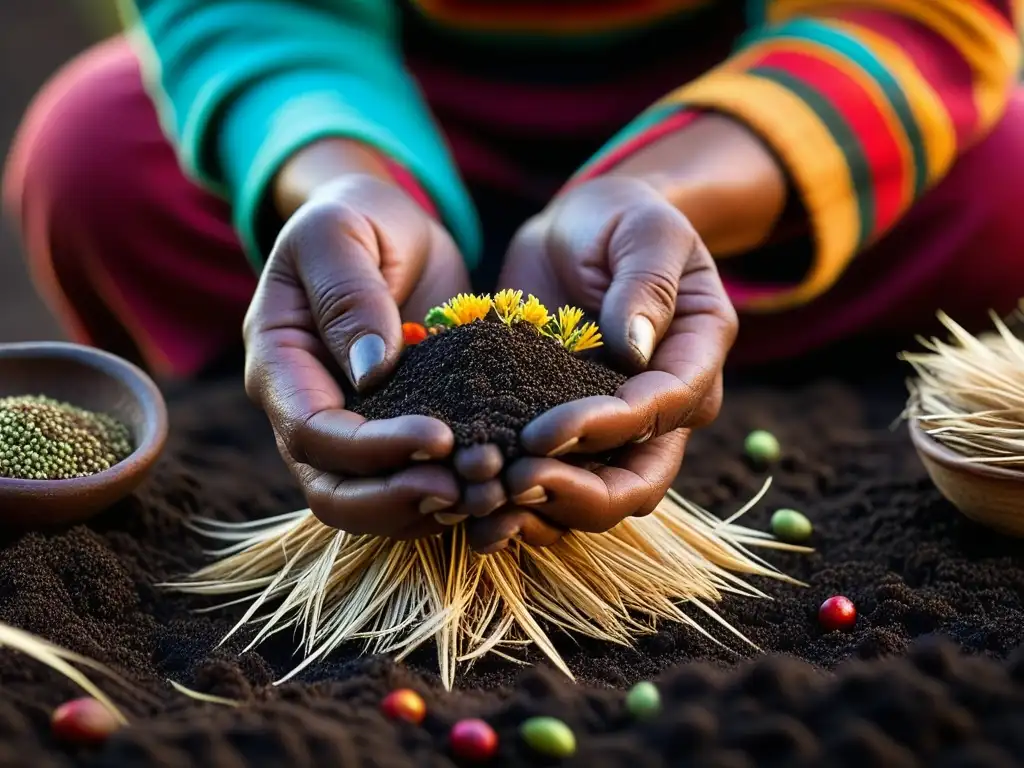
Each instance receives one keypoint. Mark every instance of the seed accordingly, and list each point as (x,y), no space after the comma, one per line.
(790,525)
(413,333)
(762,447)
(548,736)
(83,721)
(643,701)
(41,438)
(837,613)
(404,704)
(473,740)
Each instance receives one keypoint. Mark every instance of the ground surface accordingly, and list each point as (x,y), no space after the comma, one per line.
(929,676)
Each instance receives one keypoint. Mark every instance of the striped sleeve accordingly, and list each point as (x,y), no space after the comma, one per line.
(867,103)
(240,86)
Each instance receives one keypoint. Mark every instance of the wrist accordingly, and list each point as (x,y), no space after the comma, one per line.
(315,168)
(720,176)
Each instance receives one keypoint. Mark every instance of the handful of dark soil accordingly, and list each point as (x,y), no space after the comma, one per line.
(487,380)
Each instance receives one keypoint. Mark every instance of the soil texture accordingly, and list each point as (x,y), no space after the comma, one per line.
(929,676)
(487,380)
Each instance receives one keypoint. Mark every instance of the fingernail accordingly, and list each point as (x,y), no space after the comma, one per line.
(565,447)
(646,436)
(449,518)
(421,456)
(535,495)
(432,504)
(364,355)
(641,336)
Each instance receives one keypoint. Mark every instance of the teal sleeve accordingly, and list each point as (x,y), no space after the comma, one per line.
(240,85)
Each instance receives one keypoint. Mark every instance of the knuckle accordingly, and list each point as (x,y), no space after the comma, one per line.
(331,216)
(708,410)
(326,504)
(253,383)
(337,302)
(664,223)
(294,434)
(655,286)
(730,322)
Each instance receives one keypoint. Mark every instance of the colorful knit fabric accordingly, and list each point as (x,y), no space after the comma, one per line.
(866,102)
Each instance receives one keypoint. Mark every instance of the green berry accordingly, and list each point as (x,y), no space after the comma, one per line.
(643,701)
(790,525)
(548,736)
(762,447)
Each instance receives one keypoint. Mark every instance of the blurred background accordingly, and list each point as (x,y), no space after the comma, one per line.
(36,38)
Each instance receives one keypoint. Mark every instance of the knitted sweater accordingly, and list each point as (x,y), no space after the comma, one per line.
(867,103)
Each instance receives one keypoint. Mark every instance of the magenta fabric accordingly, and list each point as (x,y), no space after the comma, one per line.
(136,258)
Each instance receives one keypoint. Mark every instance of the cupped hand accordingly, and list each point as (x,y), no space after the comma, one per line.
(348,266)
(616,248)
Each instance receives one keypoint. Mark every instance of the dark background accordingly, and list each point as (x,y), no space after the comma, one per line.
(36,38)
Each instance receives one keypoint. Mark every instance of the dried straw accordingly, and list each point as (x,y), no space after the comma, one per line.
(969,394)
(61,661)
(296,573)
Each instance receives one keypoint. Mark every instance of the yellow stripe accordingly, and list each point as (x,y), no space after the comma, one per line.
(930,113)
(816,164)
(747,56)
(878,98)
(992,49)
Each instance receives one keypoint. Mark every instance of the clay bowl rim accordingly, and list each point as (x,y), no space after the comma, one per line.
(932,449)
(138,384)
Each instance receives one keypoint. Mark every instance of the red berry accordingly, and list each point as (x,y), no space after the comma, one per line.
(413,333)
(837,613)
(83,721)
(404,704)
(473,740)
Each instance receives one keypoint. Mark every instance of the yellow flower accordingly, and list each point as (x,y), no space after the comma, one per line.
(467,307)
(587,337)
(566,322)
(508,305)
(534,313)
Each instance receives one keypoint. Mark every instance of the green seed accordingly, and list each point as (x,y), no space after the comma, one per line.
(548,736)
(762,447)
(643,701)
(790,525)
(43,439)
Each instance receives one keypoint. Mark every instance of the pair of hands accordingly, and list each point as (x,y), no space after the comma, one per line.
(360,257)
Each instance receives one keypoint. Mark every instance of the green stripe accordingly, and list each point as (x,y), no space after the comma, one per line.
(845,137)
(757,12)
(861,55)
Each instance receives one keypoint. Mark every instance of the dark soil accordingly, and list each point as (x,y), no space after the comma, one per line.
(487,381)
(928,677)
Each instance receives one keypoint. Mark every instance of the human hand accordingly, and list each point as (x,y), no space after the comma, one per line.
(616,247)
(347,267)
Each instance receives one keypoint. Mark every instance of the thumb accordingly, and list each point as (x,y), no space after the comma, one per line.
(338,260)
(647,253)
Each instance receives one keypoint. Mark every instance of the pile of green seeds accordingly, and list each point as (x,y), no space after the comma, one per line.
(44,439)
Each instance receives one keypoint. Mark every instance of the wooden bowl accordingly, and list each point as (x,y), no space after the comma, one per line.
(990,495)
(97,381)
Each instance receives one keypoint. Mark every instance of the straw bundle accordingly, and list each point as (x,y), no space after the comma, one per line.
(332,587)
(969,394)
